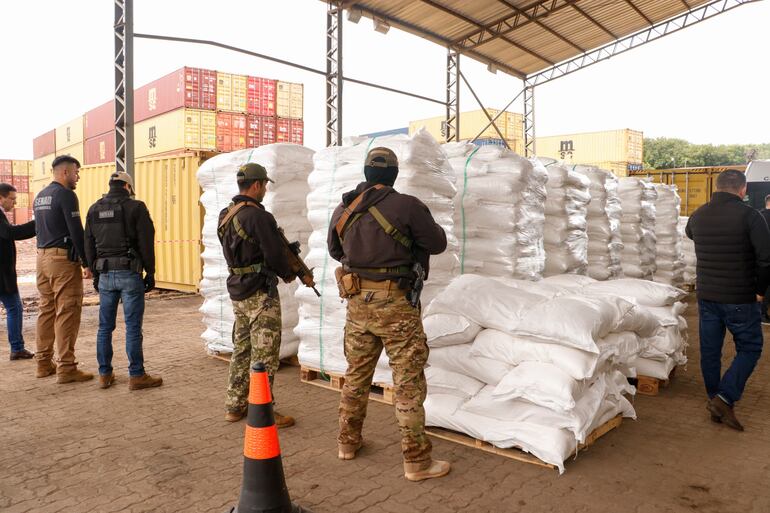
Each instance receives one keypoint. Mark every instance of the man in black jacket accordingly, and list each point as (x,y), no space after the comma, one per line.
(732,243)
(9,290)
(120,245)
(766,299)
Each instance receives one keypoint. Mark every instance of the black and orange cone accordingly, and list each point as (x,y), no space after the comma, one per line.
(264,485)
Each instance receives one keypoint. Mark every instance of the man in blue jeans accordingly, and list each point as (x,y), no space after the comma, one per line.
(9,290)
(732,243)
(119,246)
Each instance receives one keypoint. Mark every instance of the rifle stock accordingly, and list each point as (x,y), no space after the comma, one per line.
(297,265)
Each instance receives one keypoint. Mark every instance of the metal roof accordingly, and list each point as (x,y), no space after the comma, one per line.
(522,37)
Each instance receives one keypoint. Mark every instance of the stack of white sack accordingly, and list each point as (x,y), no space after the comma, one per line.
(424,172)
(637,227)
(667,346)
(605,242)
(499,213)
(565,234)
(533,365)
(688,250)
(289,165)
(669,264)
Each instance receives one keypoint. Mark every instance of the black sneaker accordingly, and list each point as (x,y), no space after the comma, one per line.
(765,319)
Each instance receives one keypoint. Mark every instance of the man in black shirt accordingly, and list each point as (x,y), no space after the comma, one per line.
(766,300)
(60,255)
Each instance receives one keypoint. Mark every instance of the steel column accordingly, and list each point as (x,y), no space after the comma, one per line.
(124,86)
(334,74)
(529,121)
(452,125)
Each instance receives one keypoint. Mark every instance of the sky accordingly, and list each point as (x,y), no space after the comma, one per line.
(707,83)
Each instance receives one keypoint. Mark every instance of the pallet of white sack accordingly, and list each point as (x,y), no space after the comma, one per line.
(380,392)
(646,385)
(291,361)
(514,453)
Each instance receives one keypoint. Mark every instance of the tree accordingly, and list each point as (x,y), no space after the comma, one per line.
(667,153)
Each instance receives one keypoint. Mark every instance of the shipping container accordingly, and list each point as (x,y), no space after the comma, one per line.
(260,130)
(99,121)
(100,149)
(6,168)
(41,167)
(289,131)
(35,186)
(76,150)
(21,183)
(176,131)
(22,215)
(21,167)
(44,144)
(169,188)
(510,124)
(23,199)
(10,216)
(240,93)
(193,88)
(267,134)
(260,99)
(231,131)
(69,134)
(616,146)
(224,91)
(289,100)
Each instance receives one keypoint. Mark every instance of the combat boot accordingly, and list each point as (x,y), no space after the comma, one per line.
(283,421)
(234,415)
(437,468)
(143,381)
(45,368)
(348,451)
(73,376)
(106,380)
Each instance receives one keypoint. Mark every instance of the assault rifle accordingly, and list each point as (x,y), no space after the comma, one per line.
(297,266)
(419,281)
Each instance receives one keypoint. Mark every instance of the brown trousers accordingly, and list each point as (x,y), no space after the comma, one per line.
(60,284)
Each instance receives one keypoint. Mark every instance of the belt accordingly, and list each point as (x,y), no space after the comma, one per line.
(399,269)
(386,287)
(52,251)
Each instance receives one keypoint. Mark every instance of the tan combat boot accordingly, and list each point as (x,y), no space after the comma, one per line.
(73,376)
(105,381)
(283,421)
(143,381)
(437,468)
(234,415)
(45,368)
(348,451)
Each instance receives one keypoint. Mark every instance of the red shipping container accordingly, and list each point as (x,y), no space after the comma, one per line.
(267,130)
(21,215)
(100,149)
(193,88)
(44,144)
(260,96)
(231,131)
(10,215)
(282,130)
(253,129)
(99,120)
(296,131)
(21,183)
(6,167)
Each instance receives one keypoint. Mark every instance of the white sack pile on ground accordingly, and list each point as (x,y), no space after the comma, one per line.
(534,365)
(688,251)
(605,243)
(498,216)
(637,227)
(669,257)
(287,164)
(424,172)
(565,234)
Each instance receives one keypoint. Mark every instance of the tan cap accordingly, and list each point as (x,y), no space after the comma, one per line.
(252,171)
(122,177)
(381,157)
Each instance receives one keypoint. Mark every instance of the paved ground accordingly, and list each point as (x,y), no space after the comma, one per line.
(75,448)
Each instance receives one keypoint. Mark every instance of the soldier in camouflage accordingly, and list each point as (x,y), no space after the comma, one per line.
(378,234)
(256,258)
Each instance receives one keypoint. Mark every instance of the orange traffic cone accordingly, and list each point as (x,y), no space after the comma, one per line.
(264,485)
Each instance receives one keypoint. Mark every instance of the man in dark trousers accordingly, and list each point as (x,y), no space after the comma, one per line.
(732,243)
(9,290)
(766,299)
(61,267)
(120,246)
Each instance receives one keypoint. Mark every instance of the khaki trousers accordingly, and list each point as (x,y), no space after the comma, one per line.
(60,284)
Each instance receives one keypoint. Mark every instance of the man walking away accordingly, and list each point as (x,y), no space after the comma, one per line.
(766,299)
(9,290)
(732,243)
(60,255)
(120,244)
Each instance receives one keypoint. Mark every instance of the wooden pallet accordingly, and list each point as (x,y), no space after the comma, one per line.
(291,361)
(379,392)
(646,385)
(514,453)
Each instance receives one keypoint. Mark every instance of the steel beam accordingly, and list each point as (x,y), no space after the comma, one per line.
(593,20)
(124,86)
(639,12)
(529,121)
(542,25)
(640,38)
(492,121)
(452,124)
(484,109)
(333,75)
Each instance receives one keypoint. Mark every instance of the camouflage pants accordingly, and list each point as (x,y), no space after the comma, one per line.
(256,338)
(392,323)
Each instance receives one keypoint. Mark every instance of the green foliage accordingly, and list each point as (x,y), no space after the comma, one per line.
(666,153)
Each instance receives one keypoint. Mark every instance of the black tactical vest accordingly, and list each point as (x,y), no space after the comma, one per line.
(113,245)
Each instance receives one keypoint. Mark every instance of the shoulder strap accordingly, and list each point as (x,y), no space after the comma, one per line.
(230,217)
(389,228)
(345,217)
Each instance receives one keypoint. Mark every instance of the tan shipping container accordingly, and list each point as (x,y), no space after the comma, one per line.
(69,133)
(510,124)
(240,90)
(176,131)
(289,100)
(23,200)
(21,167)
(41,168)
(169,188)
(592,148)
(35,186)
(224,91)
(76,150)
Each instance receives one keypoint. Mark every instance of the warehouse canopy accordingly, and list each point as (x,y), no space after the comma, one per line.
(521,37)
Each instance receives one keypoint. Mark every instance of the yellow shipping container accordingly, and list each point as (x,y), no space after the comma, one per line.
(22,200)
(224,91)
(175,131)
(510,124)
(613,146)
(21,167)
(41,168)
(240,88)
(289,100)
(70,133)
(169,188)
(35,186)
(76,150)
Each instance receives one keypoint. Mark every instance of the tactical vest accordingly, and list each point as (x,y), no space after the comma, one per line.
(113,245)
(231,221)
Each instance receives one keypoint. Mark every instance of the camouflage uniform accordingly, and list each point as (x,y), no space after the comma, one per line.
(385,320)
(256,338)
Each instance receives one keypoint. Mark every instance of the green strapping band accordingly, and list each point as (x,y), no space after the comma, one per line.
(462,207)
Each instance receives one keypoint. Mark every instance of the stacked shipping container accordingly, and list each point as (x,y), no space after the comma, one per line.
(16,173)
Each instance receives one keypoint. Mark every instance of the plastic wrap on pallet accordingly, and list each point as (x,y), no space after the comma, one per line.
(688,251)
(670,264)
(637,227)
(287,164)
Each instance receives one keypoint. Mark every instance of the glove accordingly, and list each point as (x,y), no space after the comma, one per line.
(295,247)
(149,282)
(96,282)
